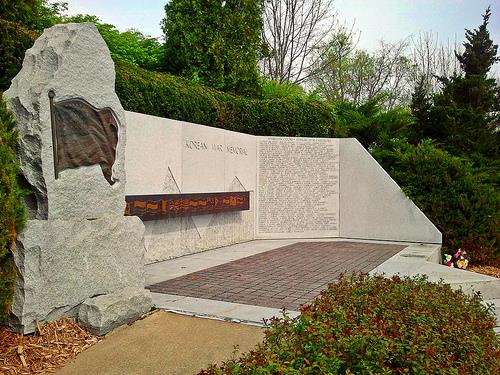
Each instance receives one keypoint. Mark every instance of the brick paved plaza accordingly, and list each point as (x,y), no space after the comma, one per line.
(286,277)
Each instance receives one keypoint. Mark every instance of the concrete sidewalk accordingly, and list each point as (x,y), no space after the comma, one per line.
(164,343)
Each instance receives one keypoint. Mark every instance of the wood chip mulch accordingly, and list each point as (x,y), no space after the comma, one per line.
(45,351)
(485,270)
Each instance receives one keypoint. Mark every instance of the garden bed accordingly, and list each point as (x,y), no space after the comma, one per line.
(48,349)
(493,271)
(374,325)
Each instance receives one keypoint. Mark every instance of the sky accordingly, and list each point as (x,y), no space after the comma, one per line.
(388,20)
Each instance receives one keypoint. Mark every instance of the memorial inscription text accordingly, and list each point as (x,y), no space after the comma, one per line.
(298,185)
(196,145)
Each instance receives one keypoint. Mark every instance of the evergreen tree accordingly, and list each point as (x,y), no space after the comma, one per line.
(12,213)
(480,52)
(420,107)
(465,117)
(214,42)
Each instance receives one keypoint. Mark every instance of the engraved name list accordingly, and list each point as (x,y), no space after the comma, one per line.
(298,186)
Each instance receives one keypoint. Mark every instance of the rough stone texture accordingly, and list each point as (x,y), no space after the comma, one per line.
(61,263)
(74,61)
(104,313)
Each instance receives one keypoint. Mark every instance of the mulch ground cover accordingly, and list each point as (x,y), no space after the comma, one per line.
(45,351)
(485,270)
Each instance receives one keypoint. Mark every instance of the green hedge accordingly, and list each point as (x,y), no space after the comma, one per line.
(15,39)
(456,197)
(164,95)
(12,214)
(372,325)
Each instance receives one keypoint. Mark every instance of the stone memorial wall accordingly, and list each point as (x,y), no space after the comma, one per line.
(170,157)
(299,188)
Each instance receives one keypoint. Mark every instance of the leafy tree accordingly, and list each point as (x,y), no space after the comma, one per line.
(21,21)
(342,73)
(35,15)
(15,39)
(214,42)
(130,46)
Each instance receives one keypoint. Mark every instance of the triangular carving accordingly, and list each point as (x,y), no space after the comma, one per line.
(170,186)
(202,223)
(236,185)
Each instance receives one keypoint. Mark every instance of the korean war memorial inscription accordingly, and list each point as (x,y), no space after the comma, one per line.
(115,190)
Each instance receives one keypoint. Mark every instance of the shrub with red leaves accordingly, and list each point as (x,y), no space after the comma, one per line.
(373,325)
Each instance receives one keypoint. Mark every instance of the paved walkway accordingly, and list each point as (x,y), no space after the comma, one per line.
(195,285)
(166,344)
(286,277)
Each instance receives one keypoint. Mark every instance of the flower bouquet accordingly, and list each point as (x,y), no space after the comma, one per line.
(458,260)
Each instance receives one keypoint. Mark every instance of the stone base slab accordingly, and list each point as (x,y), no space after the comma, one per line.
(61,263)
(102,314)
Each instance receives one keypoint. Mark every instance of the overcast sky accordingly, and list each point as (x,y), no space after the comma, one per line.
(390,20)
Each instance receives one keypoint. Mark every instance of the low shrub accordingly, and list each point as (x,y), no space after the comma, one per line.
(372,325)
(12,214)
(164,95)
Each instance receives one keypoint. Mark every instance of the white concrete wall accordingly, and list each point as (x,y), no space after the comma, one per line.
(299,187)
(165,156)
(373,206)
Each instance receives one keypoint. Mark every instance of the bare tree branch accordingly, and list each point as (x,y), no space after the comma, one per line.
(432,59)
(346,74)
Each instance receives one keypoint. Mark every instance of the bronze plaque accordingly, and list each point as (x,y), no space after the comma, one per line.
(83,135)
(151,207)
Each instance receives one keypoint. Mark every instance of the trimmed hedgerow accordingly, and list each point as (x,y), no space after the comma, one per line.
(12,214)
(450,192)
(15,39)
(373,325)
(164,95)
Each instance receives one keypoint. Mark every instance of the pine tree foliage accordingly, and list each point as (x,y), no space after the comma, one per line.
(480,52)
(12,214)
(465,117)
(420,107)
